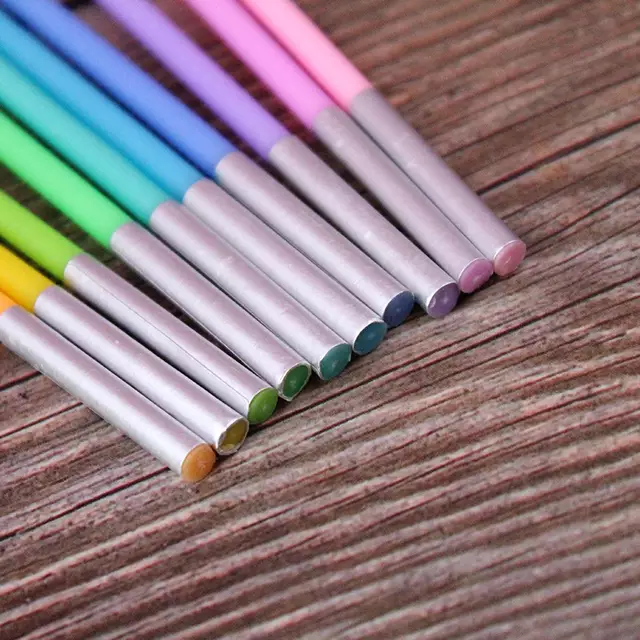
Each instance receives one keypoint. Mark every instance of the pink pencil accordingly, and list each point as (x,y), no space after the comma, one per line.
(420,218)
(356,95)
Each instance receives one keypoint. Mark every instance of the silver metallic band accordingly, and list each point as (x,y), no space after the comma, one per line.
(302,226)
(236,329)
(447,190)
(186,349)
(171,390)
(246,284)
(357,219)
(284,264)
(400,196)
(99,389)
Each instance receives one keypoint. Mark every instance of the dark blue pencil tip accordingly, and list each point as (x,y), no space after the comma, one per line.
(398,309)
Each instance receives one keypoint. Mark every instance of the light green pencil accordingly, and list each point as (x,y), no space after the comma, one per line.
(150,205)
(180,345)
(231,325)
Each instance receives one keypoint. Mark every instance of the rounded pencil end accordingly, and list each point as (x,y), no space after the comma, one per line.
(262,405)
(295,381)
(233,437)
(508,259)
(475,274)
(198,463)
(335,361)
(370,338)
(398,309)
(443,300)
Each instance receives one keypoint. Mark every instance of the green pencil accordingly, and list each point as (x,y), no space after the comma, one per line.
(180,345)
(293,323)
(231,325)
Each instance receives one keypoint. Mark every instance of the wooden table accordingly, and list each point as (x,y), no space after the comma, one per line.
(474,477)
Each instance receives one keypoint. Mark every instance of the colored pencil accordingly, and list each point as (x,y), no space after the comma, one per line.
(98,216)
(285,265)
(211,153)
(357,96)
(273,142)
(180,345)
(199,411)
(420,218)
(327,353)
(112,399)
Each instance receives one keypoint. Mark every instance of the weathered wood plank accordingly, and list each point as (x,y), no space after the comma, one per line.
(475,477)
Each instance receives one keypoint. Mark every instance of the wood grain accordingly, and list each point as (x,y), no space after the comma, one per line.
(476,477)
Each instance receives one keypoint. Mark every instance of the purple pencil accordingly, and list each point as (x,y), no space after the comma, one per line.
(419,217)
(355,217)
(357,96)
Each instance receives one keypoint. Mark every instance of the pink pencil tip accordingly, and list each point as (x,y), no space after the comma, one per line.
(509,257)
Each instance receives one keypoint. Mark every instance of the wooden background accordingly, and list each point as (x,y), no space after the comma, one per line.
(475,477)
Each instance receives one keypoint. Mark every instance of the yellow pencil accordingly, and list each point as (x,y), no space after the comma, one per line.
(187,402)
(103,392)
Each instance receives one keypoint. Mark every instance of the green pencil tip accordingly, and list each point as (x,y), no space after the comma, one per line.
(370,338)
(262,405)
(295,381)
(334,363)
